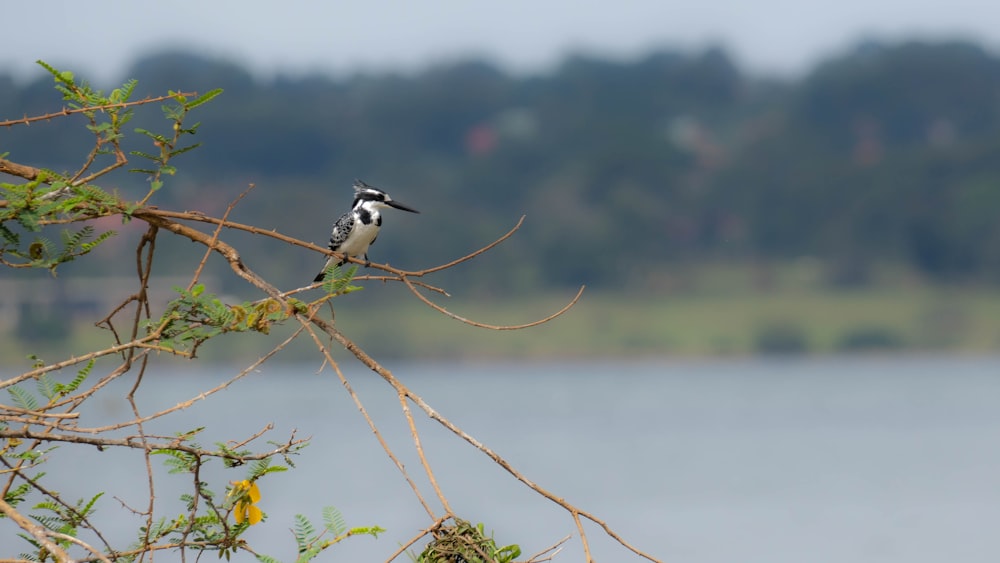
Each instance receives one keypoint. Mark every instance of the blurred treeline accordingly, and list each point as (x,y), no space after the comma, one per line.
(627,171)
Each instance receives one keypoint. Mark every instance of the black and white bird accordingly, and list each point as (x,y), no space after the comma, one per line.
(357,229)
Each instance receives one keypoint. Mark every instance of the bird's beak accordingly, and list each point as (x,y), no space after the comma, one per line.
(397,205)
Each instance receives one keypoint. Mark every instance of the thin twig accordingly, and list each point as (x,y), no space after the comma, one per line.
(437,523)
(415,436)
(554,549)
(371,423)
(471,322)
(200,397)
(215,237)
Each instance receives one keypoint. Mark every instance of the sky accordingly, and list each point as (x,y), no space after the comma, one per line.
(101,38)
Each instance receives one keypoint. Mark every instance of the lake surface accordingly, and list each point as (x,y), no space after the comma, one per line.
(820,460)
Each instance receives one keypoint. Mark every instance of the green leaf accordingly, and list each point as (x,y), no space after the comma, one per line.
(508,553)
(144,155)
(46,386)
(337,280)
(303,531)
(16,495)
(85,511)
(155,136)
(22,398)
(372,531)
(184,149)
(204,98)
(178,461)
(334,520)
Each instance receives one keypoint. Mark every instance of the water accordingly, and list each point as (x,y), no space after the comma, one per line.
(820,460)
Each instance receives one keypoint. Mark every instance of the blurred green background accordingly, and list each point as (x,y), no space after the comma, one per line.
(708,209)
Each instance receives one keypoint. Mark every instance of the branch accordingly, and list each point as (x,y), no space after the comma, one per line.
(66,111)
(20,170)
(38,532)
(76,360)
(135,442)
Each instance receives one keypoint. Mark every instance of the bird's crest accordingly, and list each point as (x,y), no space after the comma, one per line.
(363,191)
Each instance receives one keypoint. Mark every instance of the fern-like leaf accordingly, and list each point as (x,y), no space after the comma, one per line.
(90,245)
(23,398)
(177,461)
(9,236)
(47,387)
(16,495)
(339,279)
(303,531)
(81,376)
(203,99)
(334,520)
(308,554)
(86,509)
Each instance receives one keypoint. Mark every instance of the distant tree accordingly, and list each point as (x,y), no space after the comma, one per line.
(873,157)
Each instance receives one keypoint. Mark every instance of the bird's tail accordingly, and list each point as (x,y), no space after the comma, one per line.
(322,273)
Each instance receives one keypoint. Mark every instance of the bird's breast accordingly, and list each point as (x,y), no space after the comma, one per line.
(359,239)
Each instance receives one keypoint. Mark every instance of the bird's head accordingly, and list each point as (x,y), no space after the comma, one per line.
(376,198)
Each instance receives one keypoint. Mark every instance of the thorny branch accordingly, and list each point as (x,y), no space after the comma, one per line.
(44,426)
(67,111)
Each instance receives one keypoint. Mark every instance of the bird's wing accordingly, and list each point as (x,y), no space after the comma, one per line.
(341,230)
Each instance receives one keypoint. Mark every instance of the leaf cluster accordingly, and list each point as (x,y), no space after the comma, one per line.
(52,197)
(28,210)
(169,145)
(205,526)
(196,316)
(467,543)
(106,114)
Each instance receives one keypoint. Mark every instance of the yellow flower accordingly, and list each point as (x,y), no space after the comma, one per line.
(247,495)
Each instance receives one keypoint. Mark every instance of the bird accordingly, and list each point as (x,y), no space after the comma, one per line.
(357,229)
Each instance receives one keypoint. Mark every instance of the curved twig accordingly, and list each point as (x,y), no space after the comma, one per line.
(448,313)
